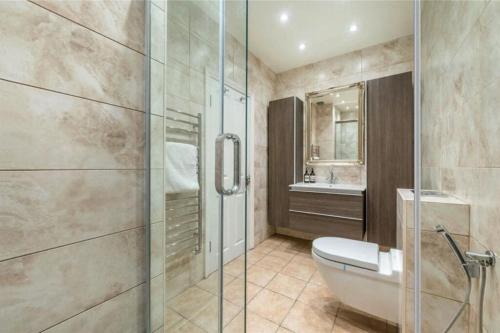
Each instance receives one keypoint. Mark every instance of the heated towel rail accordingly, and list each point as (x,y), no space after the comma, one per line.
(183,210)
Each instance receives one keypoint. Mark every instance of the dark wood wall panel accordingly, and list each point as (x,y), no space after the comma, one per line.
(389,152)
(285,155)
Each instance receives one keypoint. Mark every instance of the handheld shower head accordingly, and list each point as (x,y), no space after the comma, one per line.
(441,229)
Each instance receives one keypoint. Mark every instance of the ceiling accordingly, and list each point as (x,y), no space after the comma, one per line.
(324,27)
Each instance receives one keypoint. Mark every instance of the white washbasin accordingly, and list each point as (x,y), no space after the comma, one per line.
(328,188)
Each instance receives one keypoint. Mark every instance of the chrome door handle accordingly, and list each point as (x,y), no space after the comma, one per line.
(219,163)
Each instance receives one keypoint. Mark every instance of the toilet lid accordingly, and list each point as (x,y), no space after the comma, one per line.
(348,251)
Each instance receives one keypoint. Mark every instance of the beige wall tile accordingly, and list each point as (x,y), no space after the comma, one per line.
(441,272)
(122,21)
(46,130)
(45,288)
(156,299)
(158,34)
(157,248)
(157,87)
(121,314)
(178,42)
(387,54)
(46,209)
(57,54)
(436,314)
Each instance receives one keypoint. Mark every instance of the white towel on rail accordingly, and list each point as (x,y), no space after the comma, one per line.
(181,167)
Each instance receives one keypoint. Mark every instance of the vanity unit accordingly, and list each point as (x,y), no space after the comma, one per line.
(285,153)
(316,210)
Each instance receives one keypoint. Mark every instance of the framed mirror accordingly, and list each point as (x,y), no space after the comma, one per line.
(335,126)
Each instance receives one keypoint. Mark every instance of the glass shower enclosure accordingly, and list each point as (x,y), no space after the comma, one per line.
(198,165)
(455,237)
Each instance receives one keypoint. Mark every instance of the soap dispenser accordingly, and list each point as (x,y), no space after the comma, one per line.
(306,176)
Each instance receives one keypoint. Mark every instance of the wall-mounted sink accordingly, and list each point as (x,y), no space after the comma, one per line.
(329,188)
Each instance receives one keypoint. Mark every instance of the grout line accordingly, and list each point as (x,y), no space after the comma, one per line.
(87,28)
(72,95)
(72,243)
(95,305)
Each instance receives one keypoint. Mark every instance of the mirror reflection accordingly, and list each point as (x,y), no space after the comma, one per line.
(335,125)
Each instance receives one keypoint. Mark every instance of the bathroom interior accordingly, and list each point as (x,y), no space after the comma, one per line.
(249,166)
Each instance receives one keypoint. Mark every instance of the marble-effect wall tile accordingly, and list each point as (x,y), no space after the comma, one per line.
(59,55)
(83,276)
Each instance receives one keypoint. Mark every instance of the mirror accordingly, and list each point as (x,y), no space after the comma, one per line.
(335,125)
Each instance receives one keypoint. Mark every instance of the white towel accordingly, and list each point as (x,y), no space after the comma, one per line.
(181,167)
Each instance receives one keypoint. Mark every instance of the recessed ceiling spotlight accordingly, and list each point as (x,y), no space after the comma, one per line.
(338,95)
(284,18)
(347,108)
(357,107)
(353,28)
(302,46)
(331,94)
(343,102)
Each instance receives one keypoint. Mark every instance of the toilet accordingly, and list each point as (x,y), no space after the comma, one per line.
(360,275)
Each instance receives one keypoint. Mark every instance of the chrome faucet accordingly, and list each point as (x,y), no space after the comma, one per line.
(332,179)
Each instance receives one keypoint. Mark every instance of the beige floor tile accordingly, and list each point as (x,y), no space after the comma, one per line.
(190,302)
(234,291)
(319,296)
(235,267)
(255,255)
(271,305)
(307,319)
(185,326)
(208,317)
(255,324)
(362,321)
(283,253)
(283,330)
(260,275)
(264,248)
(211,283)
(171,317)
(273,242)
(273,263)
(286,285)
(317,279)
(300,268)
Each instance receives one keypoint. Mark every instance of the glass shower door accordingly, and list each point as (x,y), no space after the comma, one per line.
(457,230)
(198,169)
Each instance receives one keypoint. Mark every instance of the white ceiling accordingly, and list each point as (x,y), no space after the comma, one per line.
(324,27)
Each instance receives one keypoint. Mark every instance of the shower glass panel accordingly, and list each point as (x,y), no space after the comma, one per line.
(460,160)
(198,165)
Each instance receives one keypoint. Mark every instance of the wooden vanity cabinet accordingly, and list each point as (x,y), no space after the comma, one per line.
(316,214)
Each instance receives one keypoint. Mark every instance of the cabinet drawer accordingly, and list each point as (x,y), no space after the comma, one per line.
(326,226)
(339,205)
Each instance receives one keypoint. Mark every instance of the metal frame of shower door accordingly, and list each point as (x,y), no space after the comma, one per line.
(222,37)
(147,162)
(418,164)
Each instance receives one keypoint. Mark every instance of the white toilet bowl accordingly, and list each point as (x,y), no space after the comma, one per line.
(361,276)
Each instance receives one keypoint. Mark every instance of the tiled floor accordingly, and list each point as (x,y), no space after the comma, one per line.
(285,293)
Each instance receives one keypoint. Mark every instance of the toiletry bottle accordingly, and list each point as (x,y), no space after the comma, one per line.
(312,176)
(306,176)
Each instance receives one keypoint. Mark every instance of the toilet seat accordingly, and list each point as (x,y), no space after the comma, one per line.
(348,251)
